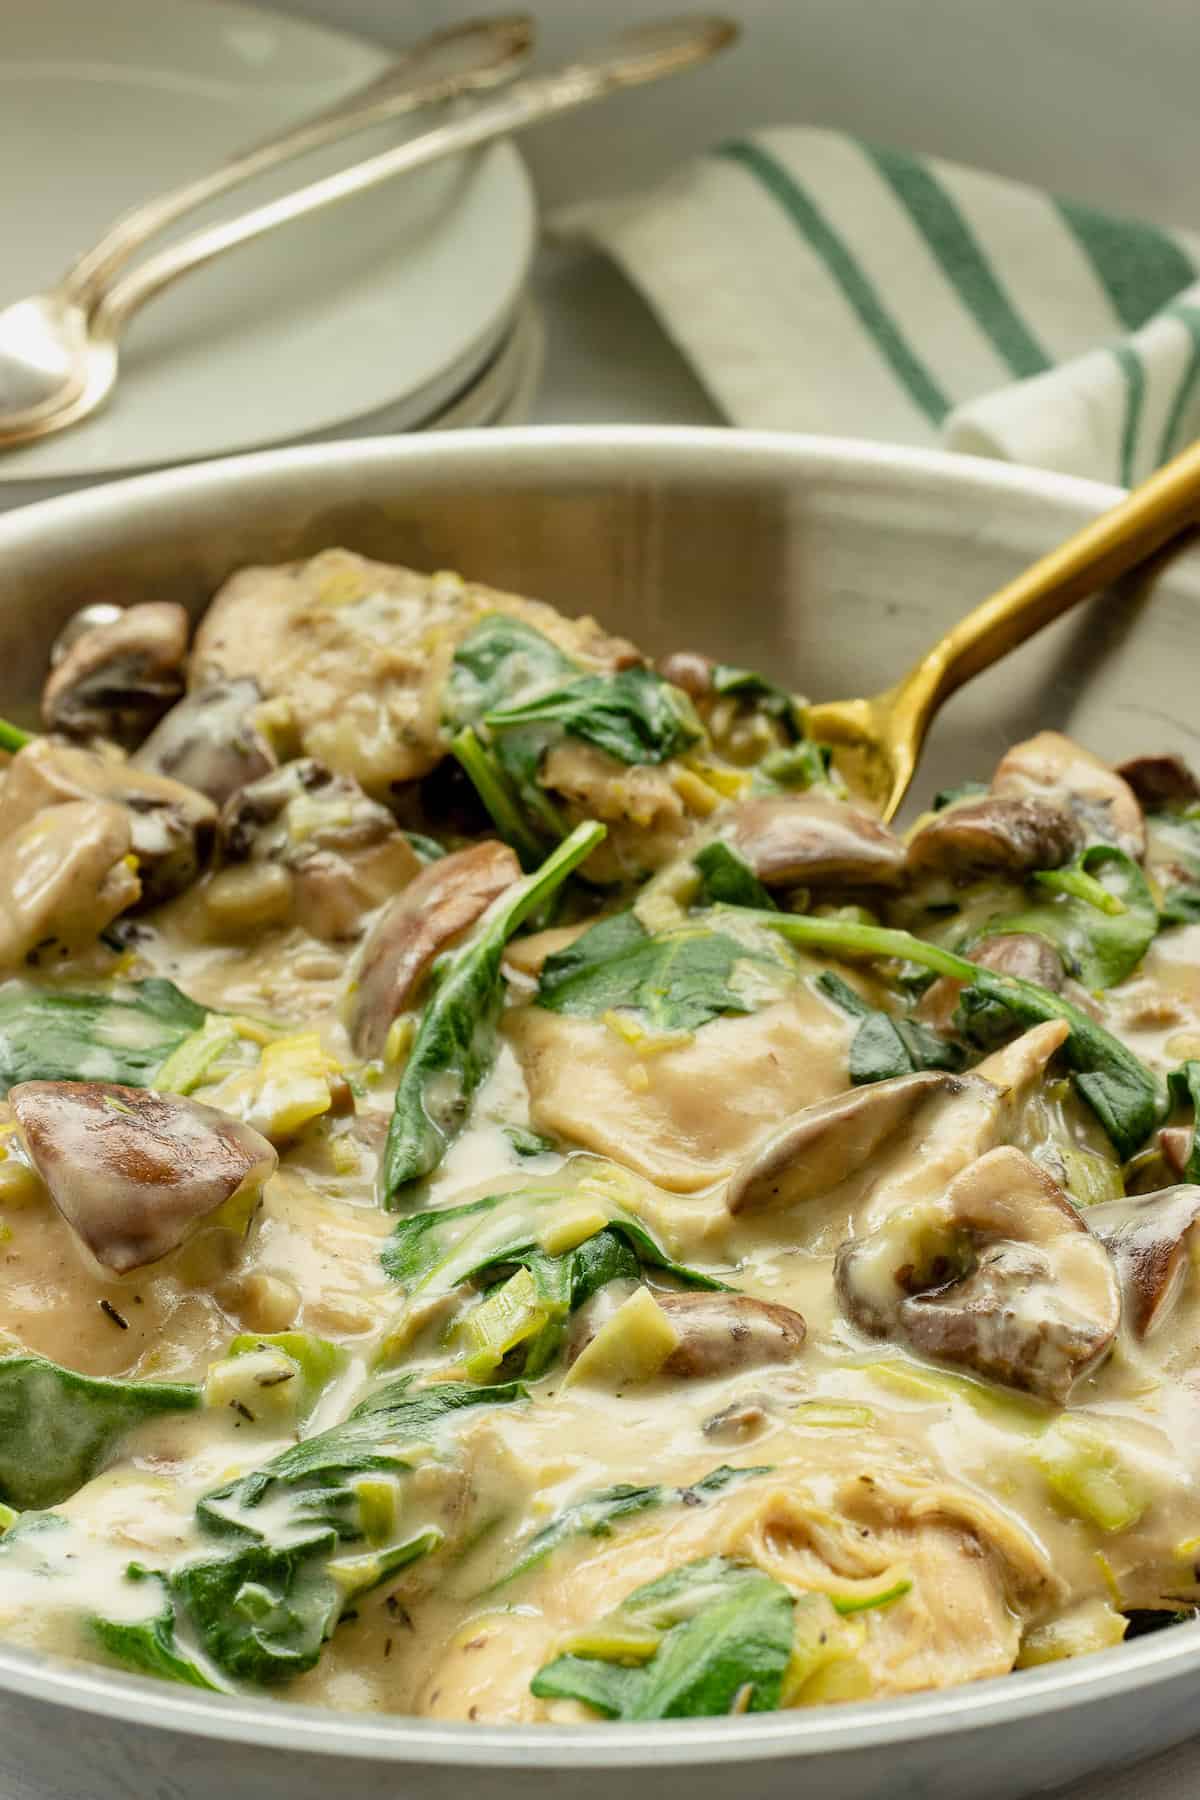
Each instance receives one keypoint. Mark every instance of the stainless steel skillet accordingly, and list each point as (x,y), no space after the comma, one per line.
(830,564)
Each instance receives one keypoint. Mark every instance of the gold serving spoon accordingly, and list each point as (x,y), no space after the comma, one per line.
(877,741)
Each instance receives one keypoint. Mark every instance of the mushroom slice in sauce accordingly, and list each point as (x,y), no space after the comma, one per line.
(210,741)
(171,827)
(1160,781)
(1009,834)
(345,851)
(64,876)
(1000,1276)
(1148,1240)
(131,1171)
(718,1334)
(117,680)
(1053,767)
(826,1144)
(442,902)
(811,839)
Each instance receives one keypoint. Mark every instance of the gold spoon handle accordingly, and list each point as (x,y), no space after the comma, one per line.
(464,59)
(1156,511)
(645,54)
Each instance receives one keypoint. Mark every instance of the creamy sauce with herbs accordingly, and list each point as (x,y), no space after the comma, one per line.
(940,1432)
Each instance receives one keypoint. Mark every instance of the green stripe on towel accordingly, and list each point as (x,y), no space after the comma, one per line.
(857,289)
(1140,267)
(1190,317)
(961,258)
(1130,365)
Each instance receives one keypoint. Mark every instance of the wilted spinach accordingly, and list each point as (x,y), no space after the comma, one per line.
(677,980)
(501,662)
(1184,1087)
(724,1638)
(1126,1097)
(455,1041)
(883,1046)
(768,696)
(1101,918)
(54,1036)
(57,1427)
(268,1589)
(596,1514)
(726,879)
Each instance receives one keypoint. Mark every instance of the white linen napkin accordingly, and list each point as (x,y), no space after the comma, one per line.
(819,283)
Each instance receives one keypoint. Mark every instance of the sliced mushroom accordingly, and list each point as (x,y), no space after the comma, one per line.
(1000,1276)
(117,680)
(817,1149)
(1051,766)
(64,876)
(689,670)
(1175,1147)
(345,853)
(210,741)
(442,902)
(1023,954)
(1009,834)
(171,827)
(1160,781)
(814,840)
(1148,1241)
(134,1173)
(718,1334)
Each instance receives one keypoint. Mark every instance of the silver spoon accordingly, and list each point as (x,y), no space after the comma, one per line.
(43,338)
(88,362)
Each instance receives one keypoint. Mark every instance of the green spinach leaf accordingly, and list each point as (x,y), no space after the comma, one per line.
(596,1514)
(725,1641)
(57,1427)
(51,1036)
(883,1046)
(677,981)
(455,1042)
(1127,1098)
(1183,1085)
(768,696)
(1102,918)
(270,1591)
(726,879)
(500,663)
(148,1644)
(634,716)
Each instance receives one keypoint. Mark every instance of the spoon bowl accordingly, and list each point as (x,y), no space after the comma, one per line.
(43,358)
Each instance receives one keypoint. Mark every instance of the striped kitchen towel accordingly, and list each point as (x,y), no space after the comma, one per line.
(818,283)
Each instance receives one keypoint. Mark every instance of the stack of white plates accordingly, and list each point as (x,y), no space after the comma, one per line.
(403,309)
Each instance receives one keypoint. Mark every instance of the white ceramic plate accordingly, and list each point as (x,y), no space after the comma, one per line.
(397,298)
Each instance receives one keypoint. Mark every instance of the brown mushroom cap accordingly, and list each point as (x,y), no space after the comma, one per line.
(1000,1276)
(1147,1239)
(171,827)
(444,900)
(719,1334)
(689,670)
(1023,954)
(117,680)
(814,840)
(1051,766)
(816,1149)
(1160,781)
(64,876)
(131,1171)
(210,741)
(344,850)
(1008,834)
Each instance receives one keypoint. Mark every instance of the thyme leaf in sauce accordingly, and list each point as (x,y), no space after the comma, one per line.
(58,1428)
(455,1041)
(714,1636)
